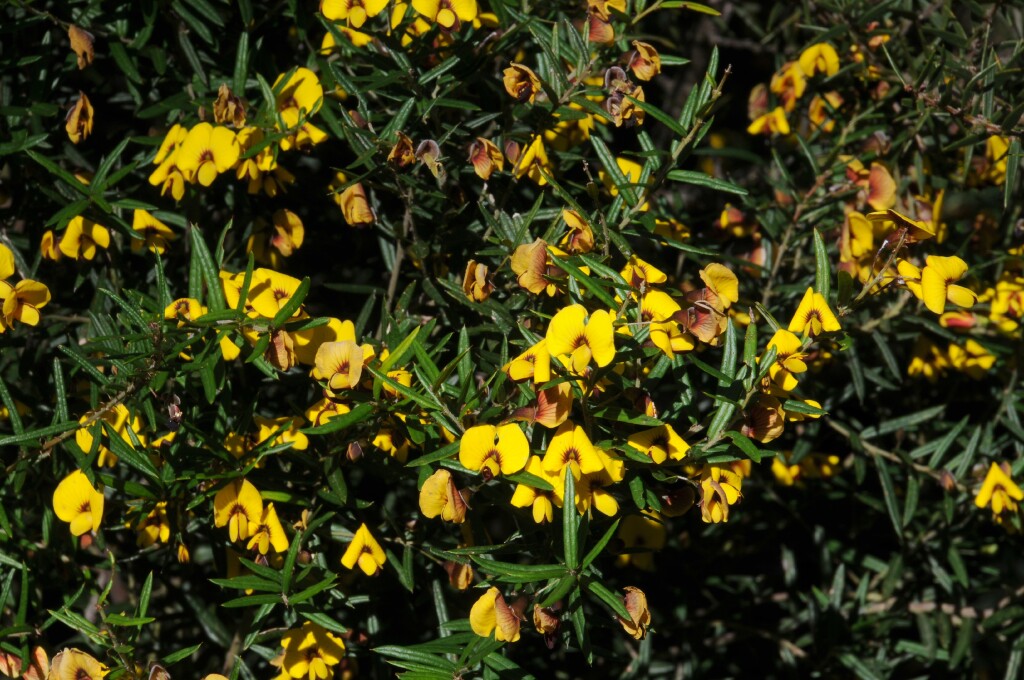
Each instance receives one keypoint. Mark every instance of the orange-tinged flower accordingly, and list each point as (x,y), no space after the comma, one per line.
(549,409)
(533,363)
(365,551)
(813,316)
(645,62)
(447,13)
(640,616)
(938,287)
(764,419)
(580,239)
(659,443)
(79,120)
(228,108)
(23,301)
(542,502)
(206,152)
(486,157)
(476,283)
(529,263)
(239,507)
(570,447)
(496,450)
(402,154)
(639,273)
(999,491)
(311,652)
(82,45)
(340,364)
(76,502)
(354,204)
(490,613)
(82,237)
(439,497)
(73,664)
(155,234)
(354,12)
(819,58)
(820,108)
(577,339)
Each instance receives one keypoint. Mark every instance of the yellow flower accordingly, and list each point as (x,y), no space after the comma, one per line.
(298,98)
(927,360)
(82,237)
(154,527)
(789,359)
(533,162)
(340,364)
(720,488)
(813,316)
(79,120)
(491,613)
(311,652)
(580,238)
(533,363)
(282,239)
(973,359)
(937,284)
(576,339)
(365,551)
(121,421)
(996,158)
(773,122)
(325,409)
(447,13)
(49,247)
(999,491)
(916,230)
(354,12)
(155,234)
(23,301)
(239,507)
(640,616)
(440,498)
(639,273)
(287,429)
(819,58)
(722,282)
(206,152)
(542,502)
(76,502)
(269,291)
(659,443)
(268,533)
(73,664)
(789,84)
(494,450)
(571,448)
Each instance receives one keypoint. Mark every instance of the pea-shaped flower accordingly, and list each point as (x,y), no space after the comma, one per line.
(239,507)
(206,152)
(571,334)
(76,501)
(501,449)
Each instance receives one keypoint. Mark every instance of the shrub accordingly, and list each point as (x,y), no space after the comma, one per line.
(503,339)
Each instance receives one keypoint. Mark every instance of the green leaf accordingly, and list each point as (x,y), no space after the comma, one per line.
(745,445)
(289,308)
(203,262)
(600,545)
(610,599)
(889,493)
(338,423)
(570,525)
(701,180)
(823,267)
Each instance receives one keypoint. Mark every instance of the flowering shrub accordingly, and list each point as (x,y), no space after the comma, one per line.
(463,338)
